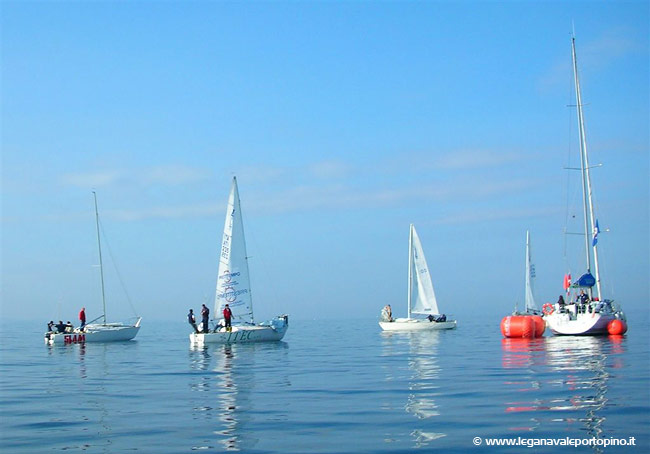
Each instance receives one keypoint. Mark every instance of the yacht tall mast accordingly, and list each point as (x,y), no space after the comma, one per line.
(589,218)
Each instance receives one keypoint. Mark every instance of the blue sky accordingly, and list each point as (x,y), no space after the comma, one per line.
(344,122)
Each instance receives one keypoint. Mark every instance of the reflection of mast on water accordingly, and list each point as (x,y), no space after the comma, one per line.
(229,387)
(575,367)
(423,362)
(583,359)
(422,381)
(92,385)
(227,401)
(528,355)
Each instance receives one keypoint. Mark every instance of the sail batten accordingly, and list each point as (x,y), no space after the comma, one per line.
(233,281)
(423,298)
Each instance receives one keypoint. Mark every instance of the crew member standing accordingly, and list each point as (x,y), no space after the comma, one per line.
(82,318)
(205,315)
(192,321)
(227,317)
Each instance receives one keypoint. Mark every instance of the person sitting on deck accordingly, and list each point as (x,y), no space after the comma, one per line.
(60,327)
(50,326)
(387,314)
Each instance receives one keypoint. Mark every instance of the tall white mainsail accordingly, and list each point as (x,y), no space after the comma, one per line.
(233,282)
(422,299)
(530,275)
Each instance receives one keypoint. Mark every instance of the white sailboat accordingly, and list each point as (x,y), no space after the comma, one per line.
(102,331)
(530,307)
(234,289)
(529,323)
(421,299)
(586,312)
(529,298)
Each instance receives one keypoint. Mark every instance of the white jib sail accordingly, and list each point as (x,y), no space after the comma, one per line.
(530,277)
(423,299)
(233,282)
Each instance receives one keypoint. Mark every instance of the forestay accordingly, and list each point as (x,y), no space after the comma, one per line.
(423,300)
(233,282)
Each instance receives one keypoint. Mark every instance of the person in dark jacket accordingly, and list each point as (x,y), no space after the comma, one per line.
(60,327)
(205,317)
(192,320)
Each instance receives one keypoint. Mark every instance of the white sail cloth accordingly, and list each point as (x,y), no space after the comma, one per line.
(233,281)
(423,299)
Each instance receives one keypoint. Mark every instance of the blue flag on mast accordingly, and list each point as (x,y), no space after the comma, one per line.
(596,231)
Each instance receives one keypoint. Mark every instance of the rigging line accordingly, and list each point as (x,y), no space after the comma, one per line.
(274,294)
(567,183)
(117,271)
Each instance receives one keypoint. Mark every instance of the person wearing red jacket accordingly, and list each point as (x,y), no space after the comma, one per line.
(82,318)
(227,317)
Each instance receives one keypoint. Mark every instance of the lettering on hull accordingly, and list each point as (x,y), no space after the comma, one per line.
(74,339)
(241,336)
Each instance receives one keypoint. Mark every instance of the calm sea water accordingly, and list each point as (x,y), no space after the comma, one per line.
(330,387)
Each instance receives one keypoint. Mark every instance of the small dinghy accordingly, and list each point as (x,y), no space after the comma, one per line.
(421,299)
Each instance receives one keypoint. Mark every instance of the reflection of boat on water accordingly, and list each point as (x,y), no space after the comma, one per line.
(566,375)
(225,396)
(527,354)
(227,377)
(422,382)
(522,352)
(91,371)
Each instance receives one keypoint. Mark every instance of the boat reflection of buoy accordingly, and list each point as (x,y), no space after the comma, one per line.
(528,326)
(617,327)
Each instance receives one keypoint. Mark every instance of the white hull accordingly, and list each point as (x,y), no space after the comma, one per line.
(582,324)
(243,334)
(412,324)
(111,332)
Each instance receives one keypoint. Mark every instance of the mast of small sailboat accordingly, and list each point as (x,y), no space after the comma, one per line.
(587,201)
(529,298)
(101,266)
(410,274)
(241,222)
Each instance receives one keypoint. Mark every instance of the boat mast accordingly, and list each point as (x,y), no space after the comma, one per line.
(238,207)
(587,200)
(101,266)
(410,274)
(528,300)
